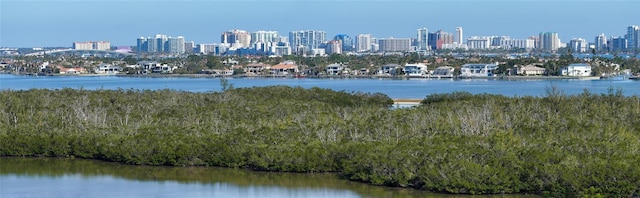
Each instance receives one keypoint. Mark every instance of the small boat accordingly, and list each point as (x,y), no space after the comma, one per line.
(635,77)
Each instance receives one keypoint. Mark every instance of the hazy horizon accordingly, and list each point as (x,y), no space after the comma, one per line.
(50,23)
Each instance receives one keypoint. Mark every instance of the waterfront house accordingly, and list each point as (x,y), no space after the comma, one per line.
(147,65)
(417,69)
(75,70)
(576,69)
(531,69)
(478,70)
(4,63)
(104,68)
(230,61)
(256,68)
(362,72)
(155,67)
(285,68)
(335,69)
(164,68)
(444,71)
(389,69)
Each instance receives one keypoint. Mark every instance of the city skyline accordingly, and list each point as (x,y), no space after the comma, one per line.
(204,21)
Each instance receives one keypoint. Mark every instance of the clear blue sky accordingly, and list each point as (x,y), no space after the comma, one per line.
(28,23)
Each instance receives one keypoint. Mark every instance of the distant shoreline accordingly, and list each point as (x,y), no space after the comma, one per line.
(313,76)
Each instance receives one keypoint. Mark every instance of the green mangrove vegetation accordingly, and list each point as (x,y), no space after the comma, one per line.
(585,145)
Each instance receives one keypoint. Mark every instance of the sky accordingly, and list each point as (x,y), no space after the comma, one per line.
(56,23)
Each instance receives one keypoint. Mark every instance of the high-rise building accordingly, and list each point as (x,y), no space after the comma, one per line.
(636,36)
(579,45)
(161,40)
(83,45)
(479,42)
(306,39)
(188,47)
(458,36)
(207,48)
(334,47)
(347,43)
(437,39)
(160,43)
(394,44)
(363,42)
(423,39)
(536,41)
(497,40)
(549,41)
(632,36)
(141,45)
(443,39)
(509,44)
(102,45)
(90,45)
(601,42)
(618,44)
(236,38)
(175,45)
(264,36)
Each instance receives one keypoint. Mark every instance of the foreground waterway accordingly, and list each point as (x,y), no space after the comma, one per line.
(394,88)
(50,177)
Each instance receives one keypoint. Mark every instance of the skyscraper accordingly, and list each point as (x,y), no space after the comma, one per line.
(141,45)
(188,47)
(632,35)
(82,45)
(579,45)
(160,43)
(363,42)
(175,45)
(479,42)
(458,36)
(394,44)
(549,41)
(309,39)
(423,39)
(334,47)
(236,38)
(347,43)
(601,42)
(264,36)
(618,44)
(437,39)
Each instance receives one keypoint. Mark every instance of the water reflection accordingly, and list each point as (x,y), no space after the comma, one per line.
(28,177)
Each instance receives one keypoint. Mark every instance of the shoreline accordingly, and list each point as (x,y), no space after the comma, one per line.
(320,76)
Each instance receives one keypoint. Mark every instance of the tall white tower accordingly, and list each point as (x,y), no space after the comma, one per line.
(363,42)
(423,39)
(458,36)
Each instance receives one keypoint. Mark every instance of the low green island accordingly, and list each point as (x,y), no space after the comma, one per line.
(585,145)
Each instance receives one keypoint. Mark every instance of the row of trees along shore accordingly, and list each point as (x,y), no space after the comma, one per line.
(559,145)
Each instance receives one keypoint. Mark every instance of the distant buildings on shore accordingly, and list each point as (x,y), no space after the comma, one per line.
(316,42)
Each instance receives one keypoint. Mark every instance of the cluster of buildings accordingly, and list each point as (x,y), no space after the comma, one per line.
(316,42)
(163,44)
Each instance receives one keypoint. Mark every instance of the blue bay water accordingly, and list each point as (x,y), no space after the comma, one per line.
(411,88)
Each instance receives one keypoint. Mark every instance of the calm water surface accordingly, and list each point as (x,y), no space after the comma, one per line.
(412,88)
(43,178)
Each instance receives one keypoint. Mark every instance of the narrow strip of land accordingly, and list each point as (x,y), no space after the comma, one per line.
(406,101)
